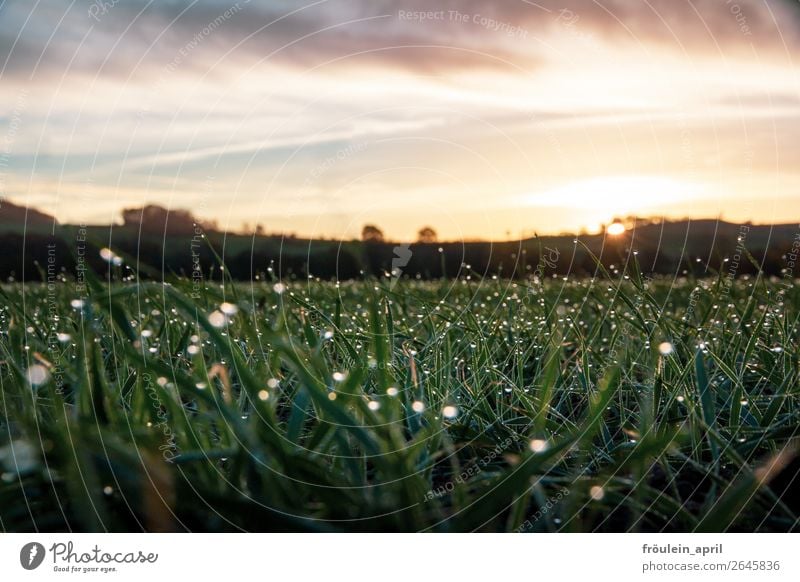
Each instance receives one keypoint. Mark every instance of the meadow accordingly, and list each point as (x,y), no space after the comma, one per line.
(613,403)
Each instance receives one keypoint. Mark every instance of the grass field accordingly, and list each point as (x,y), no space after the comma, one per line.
(612,404)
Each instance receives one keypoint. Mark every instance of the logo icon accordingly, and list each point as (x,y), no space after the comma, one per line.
(401,258)
(31,555)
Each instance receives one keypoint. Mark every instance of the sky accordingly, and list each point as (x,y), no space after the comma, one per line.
(483,119)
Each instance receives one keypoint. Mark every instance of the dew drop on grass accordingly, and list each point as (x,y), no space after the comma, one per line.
(217,319)
(19,456)
(339,376)
(418,406)
(273,383)
(193,350)
(263,395)
(373,405)
(37,375)
(450,412)
(279,288)
(665,348)
(392,391)
(63,337)
(597,493)
(538,445)
(229,308)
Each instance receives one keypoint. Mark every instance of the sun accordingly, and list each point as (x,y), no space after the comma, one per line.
(599,200)
(615,228)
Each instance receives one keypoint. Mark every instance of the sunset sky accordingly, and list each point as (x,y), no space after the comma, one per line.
(485,119)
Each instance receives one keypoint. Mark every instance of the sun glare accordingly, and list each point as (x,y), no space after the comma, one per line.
(594,201)
(615,229)
(619,194)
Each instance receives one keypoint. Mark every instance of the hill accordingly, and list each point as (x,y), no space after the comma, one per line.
(16,218)
(158,243)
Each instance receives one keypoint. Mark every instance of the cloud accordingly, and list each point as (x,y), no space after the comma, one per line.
(136,37)
(153,95)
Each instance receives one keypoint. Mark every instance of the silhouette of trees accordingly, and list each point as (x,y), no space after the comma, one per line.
(426,234)
(371,233)
(155,219)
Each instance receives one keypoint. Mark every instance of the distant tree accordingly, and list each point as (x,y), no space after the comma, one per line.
(426,234)
(155,219)
(633,221)
(371,233)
